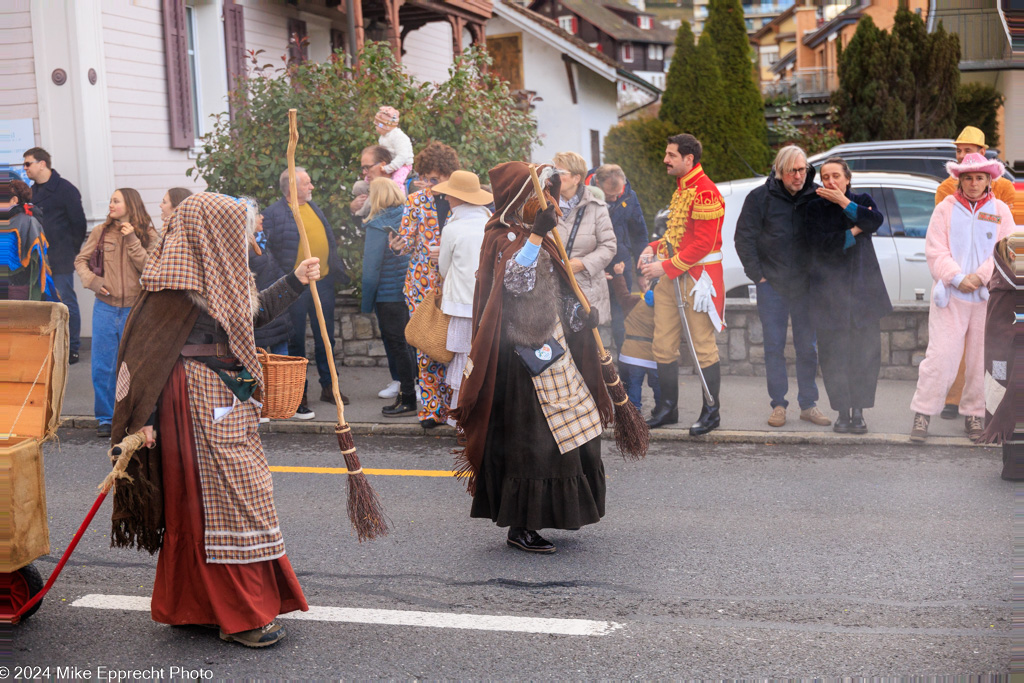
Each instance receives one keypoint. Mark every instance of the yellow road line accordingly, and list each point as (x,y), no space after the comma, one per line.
(342,470)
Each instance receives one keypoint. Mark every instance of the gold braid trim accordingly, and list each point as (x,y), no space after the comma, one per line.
(678,263)
(678,213)
(708,206)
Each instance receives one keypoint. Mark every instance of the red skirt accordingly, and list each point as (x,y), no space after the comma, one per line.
(187,590)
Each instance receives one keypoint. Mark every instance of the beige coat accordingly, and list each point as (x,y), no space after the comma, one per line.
(595,246)
(124,257)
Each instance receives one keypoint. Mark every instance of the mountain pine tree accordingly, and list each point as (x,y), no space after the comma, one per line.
(743,114)
(935,69)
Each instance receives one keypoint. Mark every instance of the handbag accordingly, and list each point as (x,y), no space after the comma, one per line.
(537,360)
(428,328)
(96,260)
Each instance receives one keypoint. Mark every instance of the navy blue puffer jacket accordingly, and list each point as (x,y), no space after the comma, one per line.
(383,270)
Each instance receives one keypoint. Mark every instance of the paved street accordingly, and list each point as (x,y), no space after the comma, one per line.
(714,561)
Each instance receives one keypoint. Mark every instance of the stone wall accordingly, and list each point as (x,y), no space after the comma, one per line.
(740,344)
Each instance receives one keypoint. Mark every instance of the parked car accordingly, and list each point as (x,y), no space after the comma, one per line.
(905,200)
(927,157)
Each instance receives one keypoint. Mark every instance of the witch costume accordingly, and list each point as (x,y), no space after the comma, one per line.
(1004,349)
(203,495)
(532,404)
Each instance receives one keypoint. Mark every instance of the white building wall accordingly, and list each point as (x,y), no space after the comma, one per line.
(19,99)
(429,52)
(562,125)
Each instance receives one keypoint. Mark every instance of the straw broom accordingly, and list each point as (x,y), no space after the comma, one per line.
(364,507)
(632,436)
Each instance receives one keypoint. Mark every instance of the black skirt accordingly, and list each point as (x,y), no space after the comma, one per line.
(524,481)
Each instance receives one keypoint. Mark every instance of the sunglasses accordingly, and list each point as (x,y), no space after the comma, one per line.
(29,163)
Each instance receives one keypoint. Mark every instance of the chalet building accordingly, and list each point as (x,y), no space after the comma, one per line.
(627,34)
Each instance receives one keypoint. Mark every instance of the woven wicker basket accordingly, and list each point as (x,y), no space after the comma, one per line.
(284,378)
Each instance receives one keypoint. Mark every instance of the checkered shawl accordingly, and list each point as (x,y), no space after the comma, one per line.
(566,402)
(205,250)
(240,523)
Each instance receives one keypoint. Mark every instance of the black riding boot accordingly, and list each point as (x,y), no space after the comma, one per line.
(710,416)
(666,412)
(842,423)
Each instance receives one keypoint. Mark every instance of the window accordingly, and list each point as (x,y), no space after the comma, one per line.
(655,53)
(769,55)
(627,52)
(193,70)
(568,24)
(749,24)
(879,196)
(644,22)
(915,209)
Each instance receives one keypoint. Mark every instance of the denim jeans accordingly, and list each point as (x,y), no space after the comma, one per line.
(65,285)
(107,326)
(633,377)
(776,311)
(279,349)
(303,309)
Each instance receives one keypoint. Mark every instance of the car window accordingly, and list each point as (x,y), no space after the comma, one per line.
(898,165)
(876,194)
(915,208)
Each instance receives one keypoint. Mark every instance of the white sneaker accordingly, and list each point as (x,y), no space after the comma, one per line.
(264,420)
(390,391)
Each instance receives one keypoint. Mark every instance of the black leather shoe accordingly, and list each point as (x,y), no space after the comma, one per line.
(666,412)
(429,423)
(103,431)
(530,541)
(857,423)
(327,396)
(404,404)
(72,357)
(842,423)
(710,418)
(950,411)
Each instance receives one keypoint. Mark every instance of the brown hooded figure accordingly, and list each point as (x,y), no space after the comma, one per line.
(201,492)
(533,402)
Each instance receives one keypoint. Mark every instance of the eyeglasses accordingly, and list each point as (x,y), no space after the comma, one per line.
(430,181)
(364,169)
(797,171)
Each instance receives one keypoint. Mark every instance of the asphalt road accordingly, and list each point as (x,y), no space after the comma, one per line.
(726,561)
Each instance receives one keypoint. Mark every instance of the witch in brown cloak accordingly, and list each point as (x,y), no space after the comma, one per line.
(533,402)
(201,491)
(1004,355)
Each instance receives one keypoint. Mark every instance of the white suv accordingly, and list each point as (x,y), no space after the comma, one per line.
(905,200)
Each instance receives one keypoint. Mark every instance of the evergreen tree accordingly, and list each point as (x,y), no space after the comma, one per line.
(977,104)
(873,71)
(743,114)
(694,103)
(935,76)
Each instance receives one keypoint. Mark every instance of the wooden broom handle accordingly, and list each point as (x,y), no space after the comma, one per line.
(565,257)
(293,204)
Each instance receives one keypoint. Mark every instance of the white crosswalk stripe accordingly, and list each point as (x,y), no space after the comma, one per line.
(479,622)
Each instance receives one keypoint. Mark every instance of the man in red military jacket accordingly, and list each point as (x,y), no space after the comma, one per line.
(689,253)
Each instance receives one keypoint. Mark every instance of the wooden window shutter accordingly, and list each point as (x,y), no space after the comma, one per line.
(234,43)
(298,41)
(179,86)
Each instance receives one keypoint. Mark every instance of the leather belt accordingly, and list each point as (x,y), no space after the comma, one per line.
(200,350)
(633,337)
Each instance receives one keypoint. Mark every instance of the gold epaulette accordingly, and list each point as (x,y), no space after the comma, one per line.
(708,206)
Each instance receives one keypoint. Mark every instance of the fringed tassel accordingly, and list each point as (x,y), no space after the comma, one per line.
(632,435)
(364,507)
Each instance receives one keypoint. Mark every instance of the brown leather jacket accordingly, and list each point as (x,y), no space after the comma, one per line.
(124,258)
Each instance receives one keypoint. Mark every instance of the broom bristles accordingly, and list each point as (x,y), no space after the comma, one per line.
(632,435)
(364,507)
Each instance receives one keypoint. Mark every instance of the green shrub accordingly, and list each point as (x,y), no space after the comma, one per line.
(245,154)
(977,104)
(638,146)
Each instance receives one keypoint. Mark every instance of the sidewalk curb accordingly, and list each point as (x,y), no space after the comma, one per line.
(763,438)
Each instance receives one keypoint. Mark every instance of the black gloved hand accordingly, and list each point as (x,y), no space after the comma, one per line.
(545,221)
(554,185)
(594,318)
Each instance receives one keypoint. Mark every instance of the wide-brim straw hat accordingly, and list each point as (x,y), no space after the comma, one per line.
(464,185)
(976,163)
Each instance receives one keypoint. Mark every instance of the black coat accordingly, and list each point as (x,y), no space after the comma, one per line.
(847,289)
(770,239)
(63,220)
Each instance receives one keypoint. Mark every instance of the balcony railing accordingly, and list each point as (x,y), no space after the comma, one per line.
(805,84)
(982,36)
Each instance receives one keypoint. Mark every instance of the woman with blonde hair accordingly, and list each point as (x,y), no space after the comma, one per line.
(383,280)
(110,263)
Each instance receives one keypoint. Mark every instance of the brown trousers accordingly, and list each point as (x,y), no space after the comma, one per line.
(668,328)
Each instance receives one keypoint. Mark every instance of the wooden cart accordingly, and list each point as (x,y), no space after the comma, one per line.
(33,374)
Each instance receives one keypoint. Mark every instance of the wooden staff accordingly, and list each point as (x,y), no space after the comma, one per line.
(632,434)
(364,507)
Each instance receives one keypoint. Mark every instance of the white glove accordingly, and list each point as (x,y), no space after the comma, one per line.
(703,293)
